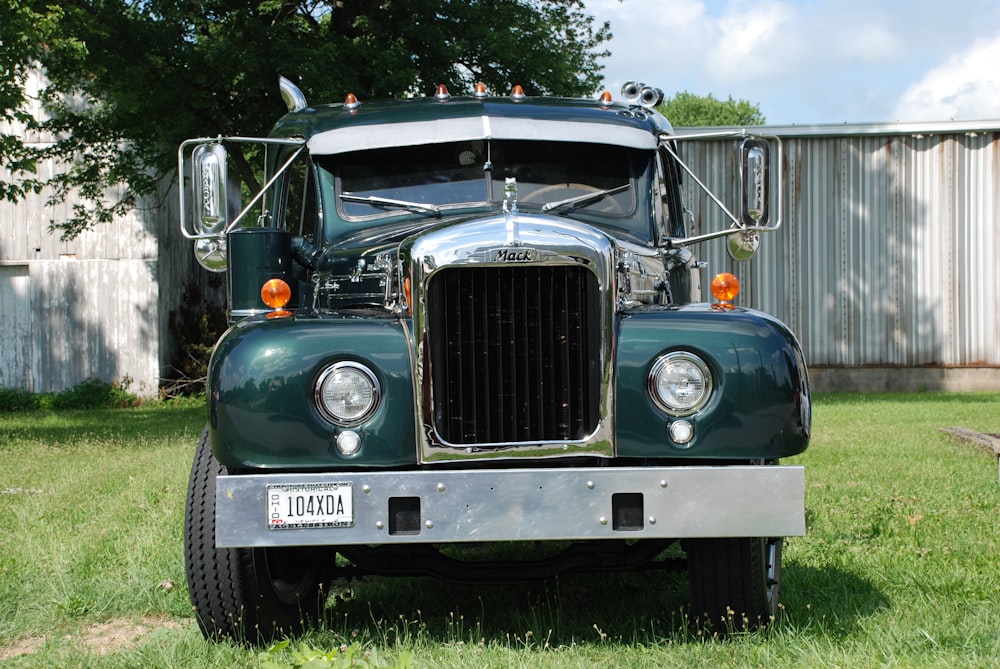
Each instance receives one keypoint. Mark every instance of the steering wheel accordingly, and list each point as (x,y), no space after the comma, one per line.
(608,206)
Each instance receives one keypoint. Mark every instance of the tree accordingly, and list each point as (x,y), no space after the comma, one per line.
(130,79)
(687,109)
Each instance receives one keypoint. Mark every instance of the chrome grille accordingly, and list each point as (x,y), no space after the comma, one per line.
(515,353)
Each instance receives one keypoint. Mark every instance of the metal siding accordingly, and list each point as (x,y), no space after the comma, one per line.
(887,251)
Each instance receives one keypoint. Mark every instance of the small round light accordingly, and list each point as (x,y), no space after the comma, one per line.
(725,287)
(442,93)
(351,102)
(480,90)
(681,432)
(275,293)
(517,93)
(680,383)
(347,393)
(348,442)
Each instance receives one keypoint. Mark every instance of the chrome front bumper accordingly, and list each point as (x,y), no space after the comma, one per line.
(529,504)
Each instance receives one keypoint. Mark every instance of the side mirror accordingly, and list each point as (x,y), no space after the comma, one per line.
(211,211)
(754,181)
(744,242)
(209,182)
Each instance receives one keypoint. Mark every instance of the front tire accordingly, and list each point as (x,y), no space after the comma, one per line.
(734,582)
(251,595)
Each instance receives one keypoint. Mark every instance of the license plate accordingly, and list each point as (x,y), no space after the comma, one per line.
(301,505)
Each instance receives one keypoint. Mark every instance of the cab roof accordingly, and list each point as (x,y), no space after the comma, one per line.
(342,128)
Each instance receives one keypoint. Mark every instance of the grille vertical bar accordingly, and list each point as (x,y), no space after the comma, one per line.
(514,353)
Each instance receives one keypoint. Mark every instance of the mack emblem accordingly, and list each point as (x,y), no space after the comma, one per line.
(510,255)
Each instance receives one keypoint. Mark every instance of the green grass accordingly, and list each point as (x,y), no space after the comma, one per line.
(899,568)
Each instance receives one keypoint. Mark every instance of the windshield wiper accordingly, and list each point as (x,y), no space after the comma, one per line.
(388,202)
(586,198)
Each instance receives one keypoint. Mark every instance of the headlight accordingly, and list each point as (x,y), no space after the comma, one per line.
(680,383)
(347,393)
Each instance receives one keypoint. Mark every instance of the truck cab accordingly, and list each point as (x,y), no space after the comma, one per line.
(478,318)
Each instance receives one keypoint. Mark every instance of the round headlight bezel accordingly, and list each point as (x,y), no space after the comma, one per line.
(329,376)
(670,404)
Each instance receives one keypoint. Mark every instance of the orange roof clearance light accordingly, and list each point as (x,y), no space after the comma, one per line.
(606,99)
(442,93)
(517,94)
(480,91)
(725,288)
(351,102)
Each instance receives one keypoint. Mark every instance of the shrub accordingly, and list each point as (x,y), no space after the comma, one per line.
(18,399)
(90,394)
(96,394)
(195,326)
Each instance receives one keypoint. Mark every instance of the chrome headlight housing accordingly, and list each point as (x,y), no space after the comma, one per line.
(680,383)
(347,393)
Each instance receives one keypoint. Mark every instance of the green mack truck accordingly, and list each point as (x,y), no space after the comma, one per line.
(477,319)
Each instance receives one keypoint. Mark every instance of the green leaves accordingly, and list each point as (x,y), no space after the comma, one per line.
(128,81)
(687,109)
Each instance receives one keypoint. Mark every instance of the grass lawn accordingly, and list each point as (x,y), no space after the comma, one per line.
(899,567)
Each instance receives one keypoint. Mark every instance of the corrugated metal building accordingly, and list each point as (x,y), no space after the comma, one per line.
(886,265)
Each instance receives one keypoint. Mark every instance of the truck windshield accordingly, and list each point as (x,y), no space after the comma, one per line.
(592,180)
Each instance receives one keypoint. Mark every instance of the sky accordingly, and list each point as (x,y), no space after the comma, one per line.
(808,62)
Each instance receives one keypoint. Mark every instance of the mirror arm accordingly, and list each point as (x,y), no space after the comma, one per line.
(738,225)
(187,229)
(719,203)
(264,189)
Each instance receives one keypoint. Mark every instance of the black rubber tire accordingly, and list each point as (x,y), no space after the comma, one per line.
(250,595)
(734,582)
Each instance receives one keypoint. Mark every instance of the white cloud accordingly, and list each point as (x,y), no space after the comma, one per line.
(810,61)
(751,42)
(966,87)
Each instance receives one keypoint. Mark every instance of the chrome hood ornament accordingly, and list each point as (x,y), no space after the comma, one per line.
(510,210)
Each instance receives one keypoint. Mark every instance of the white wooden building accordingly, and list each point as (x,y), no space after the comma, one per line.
(95,307)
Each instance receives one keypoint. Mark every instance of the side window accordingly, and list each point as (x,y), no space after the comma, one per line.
(669,210)
(300,206)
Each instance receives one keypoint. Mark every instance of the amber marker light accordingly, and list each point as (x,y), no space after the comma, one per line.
(275,293)
(606,99)
(517,94)
(480,91)
(351,102)
(442,93)
(725,287)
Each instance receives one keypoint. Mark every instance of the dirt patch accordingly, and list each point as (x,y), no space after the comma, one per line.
(114,635)
(100,638)
(21,647)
